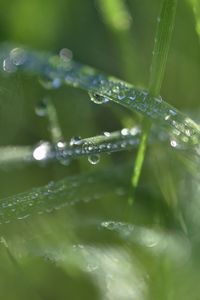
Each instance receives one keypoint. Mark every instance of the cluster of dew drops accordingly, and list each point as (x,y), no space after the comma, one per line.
(42,151)
(18,57)
(61,149)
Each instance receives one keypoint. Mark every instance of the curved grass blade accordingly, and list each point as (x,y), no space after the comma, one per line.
(66,192)
(109,88)
(65,151)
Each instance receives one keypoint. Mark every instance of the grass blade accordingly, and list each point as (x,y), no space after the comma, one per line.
(105,88)
(165,25)
(195,4)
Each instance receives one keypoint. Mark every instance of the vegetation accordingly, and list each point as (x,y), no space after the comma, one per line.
(70,168)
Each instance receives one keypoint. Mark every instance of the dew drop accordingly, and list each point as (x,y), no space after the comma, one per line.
(106,133)
(132,97)
(176,132)
(75,141)
(124,132)
(98,99)
(123,145)
(41,151)
(65,54)
(121,96)
(94,159)
(172,112)
(8,66)
(173,143)
(115,89)
(189,132)
(134,131)
(41,109)
(60,145)
(18,56)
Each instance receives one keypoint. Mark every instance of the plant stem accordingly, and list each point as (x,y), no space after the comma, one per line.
(54,127)
(165,25)
(118,21)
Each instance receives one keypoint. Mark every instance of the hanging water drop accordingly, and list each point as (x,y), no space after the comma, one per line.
(18,56)
(41,108)
(94,159)
(98,99)
(8,66)
(65,54)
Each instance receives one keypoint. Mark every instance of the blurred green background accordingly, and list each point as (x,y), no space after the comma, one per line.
(125,53)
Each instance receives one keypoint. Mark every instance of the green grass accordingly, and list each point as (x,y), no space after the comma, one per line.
(165,27)
(66,228)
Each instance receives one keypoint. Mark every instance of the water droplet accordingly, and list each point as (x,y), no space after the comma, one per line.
(61,154)
(116,89)
(42,151)
(102,147)
(123,145)
(176,132)
(124,132)
(65,54)
(173,143)
(132,97)
(134,131)
(18,56)
(41,109)
(88,147)
(94,159)
(189,132)
(8,65)
(75,141)
(121,96)
(98,99)
(61,145)
(170,114)
(185,139)
(106,133)
(109,146)
(110,225)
